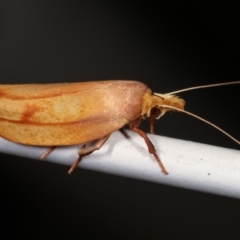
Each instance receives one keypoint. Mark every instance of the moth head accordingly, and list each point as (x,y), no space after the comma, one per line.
(161,103)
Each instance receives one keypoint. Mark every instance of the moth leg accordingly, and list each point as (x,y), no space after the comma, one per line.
(47,152)
(152,121)
(151,148)
(88,150)
(154,114)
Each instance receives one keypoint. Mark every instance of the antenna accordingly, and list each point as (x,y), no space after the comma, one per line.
(204,86)
(202,119)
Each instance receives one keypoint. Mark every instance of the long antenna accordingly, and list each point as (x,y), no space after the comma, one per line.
(202,119)
(204,86)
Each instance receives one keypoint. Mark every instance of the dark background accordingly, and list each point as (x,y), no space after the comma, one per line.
(169,45)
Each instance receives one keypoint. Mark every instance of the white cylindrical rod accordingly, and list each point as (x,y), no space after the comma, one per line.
(190,165)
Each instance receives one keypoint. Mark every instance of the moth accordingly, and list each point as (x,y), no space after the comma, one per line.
(77,113)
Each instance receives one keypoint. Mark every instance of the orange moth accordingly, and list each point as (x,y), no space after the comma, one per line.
(74,113)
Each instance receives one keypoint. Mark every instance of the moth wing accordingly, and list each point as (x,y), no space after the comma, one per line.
(66,114)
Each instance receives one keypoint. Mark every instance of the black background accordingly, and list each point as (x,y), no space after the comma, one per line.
(169,45)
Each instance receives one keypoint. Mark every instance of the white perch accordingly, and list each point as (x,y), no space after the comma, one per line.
(190,165)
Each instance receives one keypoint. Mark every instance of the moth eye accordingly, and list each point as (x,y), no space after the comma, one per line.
(155,113)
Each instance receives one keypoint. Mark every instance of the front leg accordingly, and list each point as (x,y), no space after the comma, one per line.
(151,149)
